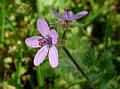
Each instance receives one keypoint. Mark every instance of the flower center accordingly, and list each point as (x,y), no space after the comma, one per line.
(49,41)
(42,42)
(45,41)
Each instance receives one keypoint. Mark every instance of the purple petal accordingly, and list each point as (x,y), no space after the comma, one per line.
(70,14)
(54,35)
(79,15)
(40,56)
(33,41)
(43,27)
(67,14)
(55,13)
(53,56)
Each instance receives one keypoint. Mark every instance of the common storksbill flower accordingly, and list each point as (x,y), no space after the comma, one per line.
(68,15)
(47,41)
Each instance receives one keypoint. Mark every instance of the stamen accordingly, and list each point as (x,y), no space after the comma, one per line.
(45,41)
(42,42)
(49,41)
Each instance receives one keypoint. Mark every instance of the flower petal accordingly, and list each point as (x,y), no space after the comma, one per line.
(54,35)
(43,27)
(55,13)
(53,56)
(40,56)
(33,41)
(67,14)
(79,15)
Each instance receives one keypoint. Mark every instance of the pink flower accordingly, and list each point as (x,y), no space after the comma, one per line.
(68,15)
(47,41)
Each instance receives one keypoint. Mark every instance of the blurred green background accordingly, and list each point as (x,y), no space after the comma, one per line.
(94,43)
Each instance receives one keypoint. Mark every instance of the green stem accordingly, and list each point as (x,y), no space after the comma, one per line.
(18,66)
(40,77)
(77,66)
(74,62)
(3,24)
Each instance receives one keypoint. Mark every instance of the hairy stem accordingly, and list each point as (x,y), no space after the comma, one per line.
(75,63)
(77,66)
